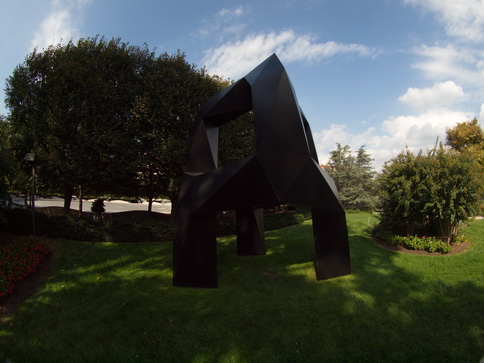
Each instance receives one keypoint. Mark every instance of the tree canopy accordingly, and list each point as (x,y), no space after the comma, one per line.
(467,137)
(354,177)
(70,104)
(109,118)
(6,161)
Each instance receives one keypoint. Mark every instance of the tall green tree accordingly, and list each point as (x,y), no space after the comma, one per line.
(354,177)
(172,93)
(71,104)
(6,162)
(111,118)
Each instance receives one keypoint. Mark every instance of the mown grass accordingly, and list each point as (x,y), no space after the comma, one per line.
(115,302)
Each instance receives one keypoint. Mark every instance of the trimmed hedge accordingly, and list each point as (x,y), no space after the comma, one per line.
(227,226)
(19,221)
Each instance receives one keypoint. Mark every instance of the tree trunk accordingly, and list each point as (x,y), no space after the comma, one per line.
(150,193)
(80,200)
(68,190)
(445,230)
(410,228)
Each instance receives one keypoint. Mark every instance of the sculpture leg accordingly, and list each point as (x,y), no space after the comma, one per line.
(250,232)
(331,244)
(195,252)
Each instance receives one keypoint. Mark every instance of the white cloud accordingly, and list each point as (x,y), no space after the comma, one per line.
(392,136)
(417,131)
(61,24)
(234,59)
(460,58)
(223,23)
(231,13)
(54,28)
(441,94)
(451,62)
(481,114)
(463,19)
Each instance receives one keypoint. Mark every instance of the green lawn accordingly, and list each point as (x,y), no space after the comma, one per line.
(115,302)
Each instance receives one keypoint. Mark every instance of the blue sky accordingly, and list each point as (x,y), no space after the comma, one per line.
(387,74)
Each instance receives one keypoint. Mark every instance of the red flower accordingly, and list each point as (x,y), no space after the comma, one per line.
(18,260)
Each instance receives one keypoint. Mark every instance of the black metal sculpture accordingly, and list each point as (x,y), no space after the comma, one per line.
(284,168)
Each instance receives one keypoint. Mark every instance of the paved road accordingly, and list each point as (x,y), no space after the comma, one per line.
(112,206)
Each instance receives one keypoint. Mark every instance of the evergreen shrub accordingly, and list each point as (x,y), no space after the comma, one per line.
(19,221)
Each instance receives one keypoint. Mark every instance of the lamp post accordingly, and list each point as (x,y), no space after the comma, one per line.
(30,157)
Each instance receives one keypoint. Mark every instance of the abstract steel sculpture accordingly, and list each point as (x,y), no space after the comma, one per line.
(284,169)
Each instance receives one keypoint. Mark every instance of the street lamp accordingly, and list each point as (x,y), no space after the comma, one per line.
(30,158)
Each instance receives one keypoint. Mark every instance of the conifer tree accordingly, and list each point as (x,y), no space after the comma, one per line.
(354,177)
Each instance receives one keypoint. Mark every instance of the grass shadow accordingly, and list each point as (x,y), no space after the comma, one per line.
(107,302)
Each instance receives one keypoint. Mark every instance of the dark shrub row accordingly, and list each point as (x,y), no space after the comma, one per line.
(19,221)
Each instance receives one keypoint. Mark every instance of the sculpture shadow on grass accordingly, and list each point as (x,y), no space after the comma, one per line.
(284,169)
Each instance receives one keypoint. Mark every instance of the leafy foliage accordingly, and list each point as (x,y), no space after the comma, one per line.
(354,178)
(104,117)
(236,139)
(98,206)
(171,94)
(71,105)
(430,244)
(117,229)
(467,136)
(6,162)
(430,193)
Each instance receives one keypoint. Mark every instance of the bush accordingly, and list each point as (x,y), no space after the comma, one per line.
(74,228)
(437,192)
(281,220)
(19,221)
(430,244)
(3,220)
(227,226)
(139,229)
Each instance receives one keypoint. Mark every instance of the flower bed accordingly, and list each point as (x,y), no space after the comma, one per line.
(19,259)
(430,244)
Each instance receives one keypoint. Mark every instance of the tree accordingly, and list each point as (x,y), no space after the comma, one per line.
(353,177)
(430,193)
(173,92)
(6,162)
(467,137)
(236,139)
(109,118)
(71,105)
